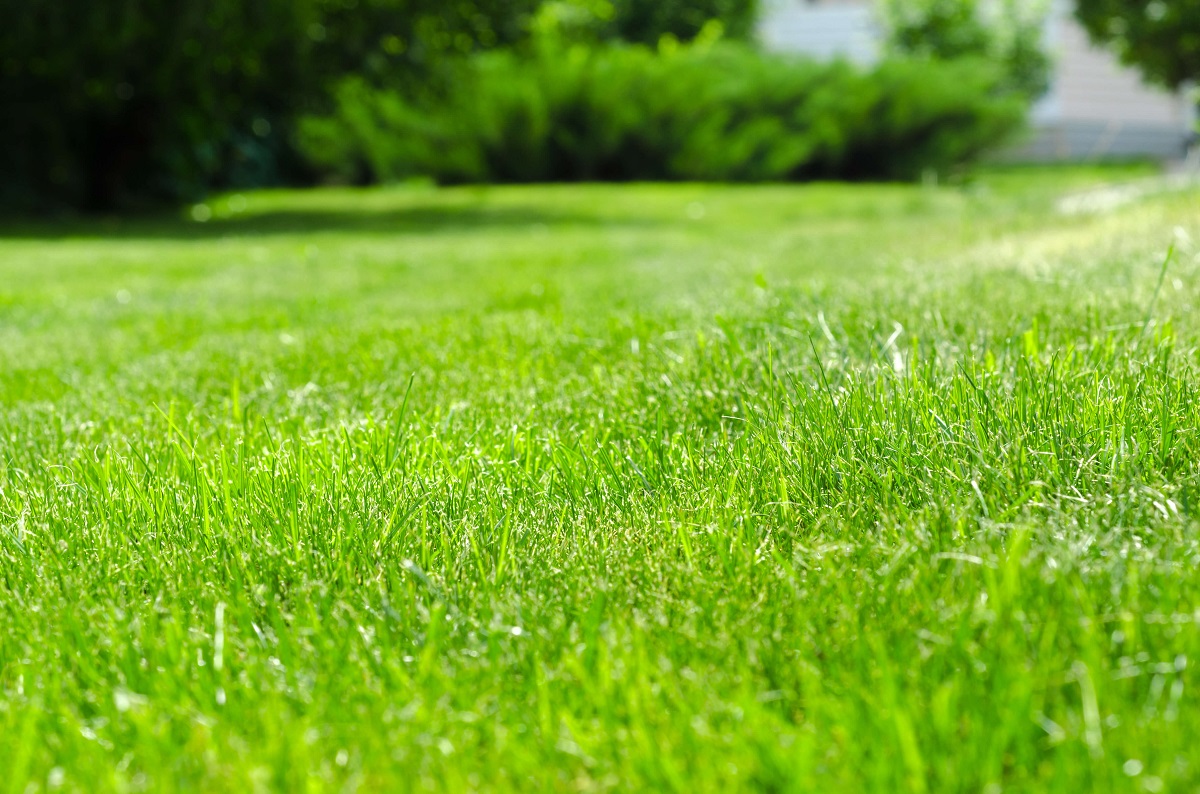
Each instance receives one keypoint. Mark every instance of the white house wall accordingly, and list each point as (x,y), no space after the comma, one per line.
(826,30)
(1094,87)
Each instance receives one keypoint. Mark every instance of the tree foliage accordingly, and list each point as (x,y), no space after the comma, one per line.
(1007,32)
(1161,37)
(648,21)
(117,102)
(114,101)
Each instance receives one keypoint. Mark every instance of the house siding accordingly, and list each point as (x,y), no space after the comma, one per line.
(823,30)
(1094,87)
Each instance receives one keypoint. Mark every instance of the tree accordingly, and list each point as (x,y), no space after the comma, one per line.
(113,102)
(1161,37)
(1005,32)
(647,21)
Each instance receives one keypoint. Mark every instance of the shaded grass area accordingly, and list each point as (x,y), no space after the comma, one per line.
(595,488)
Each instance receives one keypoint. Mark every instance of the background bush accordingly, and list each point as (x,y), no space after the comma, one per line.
(117,103)
(723,112)
(113,102)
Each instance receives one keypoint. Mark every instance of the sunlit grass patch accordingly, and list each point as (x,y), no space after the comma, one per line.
(824,488)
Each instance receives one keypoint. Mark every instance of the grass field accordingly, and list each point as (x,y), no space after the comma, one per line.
(672,488)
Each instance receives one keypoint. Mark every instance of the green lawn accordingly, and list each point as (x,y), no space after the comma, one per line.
(671,488)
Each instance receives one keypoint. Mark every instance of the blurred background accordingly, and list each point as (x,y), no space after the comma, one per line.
(118,105)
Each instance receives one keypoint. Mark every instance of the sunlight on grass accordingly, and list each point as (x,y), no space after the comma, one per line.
(826,488)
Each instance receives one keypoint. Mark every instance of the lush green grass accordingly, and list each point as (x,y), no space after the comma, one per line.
(825,488)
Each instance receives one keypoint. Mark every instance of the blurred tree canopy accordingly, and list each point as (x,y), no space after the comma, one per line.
(1160,37)
(112,103)
(117,101)
(645,21)
(1007,32)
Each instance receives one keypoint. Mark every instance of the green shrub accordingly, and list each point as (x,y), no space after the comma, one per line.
(724,112)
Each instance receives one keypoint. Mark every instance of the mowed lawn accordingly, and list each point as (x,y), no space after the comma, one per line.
(670,488)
